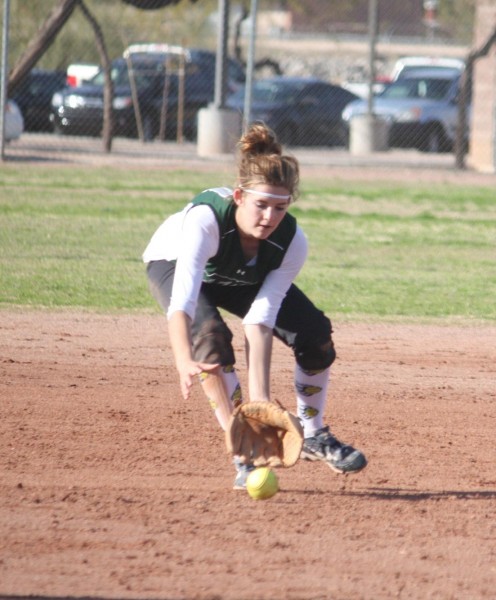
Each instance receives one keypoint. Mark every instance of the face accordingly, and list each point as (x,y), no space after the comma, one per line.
(259,212)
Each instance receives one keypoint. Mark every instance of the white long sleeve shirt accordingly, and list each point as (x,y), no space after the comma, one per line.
(191,237)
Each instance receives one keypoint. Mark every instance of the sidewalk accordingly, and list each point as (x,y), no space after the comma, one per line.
(337,162)
(82,149)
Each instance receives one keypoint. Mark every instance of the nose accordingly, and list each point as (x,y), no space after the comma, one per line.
(268,214)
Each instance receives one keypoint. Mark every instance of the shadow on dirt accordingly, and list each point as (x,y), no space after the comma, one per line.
(392,494)
(416,496)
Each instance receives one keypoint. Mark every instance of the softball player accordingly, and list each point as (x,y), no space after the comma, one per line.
(239,250)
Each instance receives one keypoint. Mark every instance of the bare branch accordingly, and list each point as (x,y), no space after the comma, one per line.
(41,42)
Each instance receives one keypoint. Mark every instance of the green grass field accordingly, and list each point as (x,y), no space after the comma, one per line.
(73,237)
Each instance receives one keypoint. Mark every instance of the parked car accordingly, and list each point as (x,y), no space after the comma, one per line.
(34,96)
(155,77)
(407,64)
(13,122)
(203,59)
(421,108)
(301,110)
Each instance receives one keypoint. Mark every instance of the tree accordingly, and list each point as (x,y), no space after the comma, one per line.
(43,40)
(48,32)
(108,86)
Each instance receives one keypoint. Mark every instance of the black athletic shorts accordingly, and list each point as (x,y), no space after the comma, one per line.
(300,324)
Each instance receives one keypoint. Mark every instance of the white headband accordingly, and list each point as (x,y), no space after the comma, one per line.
(266,194)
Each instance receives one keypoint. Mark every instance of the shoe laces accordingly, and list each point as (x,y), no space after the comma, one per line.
(325,437)
(330,445)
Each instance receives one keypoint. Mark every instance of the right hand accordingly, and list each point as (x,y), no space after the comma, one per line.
(188,370)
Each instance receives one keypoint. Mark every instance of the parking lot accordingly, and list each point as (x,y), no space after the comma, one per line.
(89,150)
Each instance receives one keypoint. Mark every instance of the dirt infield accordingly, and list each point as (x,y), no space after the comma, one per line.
(109,490)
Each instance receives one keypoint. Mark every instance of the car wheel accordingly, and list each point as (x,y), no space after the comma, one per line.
(434,140)
(58,129)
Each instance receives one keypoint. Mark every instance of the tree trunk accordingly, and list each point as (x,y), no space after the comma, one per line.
(108,89)
(41,42)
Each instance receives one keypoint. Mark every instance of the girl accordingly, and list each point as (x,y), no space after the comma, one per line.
(240,250)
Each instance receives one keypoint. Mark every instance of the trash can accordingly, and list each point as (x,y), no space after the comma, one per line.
(368,133)
(219,130)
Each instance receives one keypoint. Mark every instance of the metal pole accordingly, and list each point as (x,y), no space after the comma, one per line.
(134,97)
(181,81)
(372,40)
(4,74)
(221,58)
(250,65)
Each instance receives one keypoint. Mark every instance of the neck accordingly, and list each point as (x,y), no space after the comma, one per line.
(249,245)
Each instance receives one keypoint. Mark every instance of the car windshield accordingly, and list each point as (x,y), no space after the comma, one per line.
(269,91)
(144,74)
(427,88)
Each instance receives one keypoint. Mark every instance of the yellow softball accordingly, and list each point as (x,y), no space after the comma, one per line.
(262,483)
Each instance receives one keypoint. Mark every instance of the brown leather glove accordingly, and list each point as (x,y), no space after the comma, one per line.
(264,434)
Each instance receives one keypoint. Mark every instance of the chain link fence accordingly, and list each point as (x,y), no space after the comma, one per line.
(309,91)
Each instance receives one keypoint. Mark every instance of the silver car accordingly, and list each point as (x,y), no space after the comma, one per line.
(421,109)
(14,122)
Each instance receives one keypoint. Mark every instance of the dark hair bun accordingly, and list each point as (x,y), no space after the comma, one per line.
(261,161)
(259,139)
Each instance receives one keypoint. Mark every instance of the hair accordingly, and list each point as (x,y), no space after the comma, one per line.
(261,161)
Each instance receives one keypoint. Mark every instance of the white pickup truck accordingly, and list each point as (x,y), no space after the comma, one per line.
(78,73)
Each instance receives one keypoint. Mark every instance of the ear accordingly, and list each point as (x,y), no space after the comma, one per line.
(237,196)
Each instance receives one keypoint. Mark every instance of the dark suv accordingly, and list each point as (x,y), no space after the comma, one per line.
(147,84)
(34,94)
